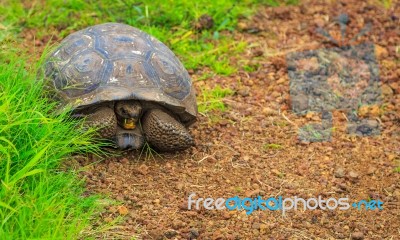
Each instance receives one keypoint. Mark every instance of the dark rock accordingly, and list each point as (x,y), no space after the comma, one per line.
(194,233)
(170,233)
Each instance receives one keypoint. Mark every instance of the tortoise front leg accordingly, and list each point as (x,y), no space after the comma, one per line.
(164,132)
(103,118)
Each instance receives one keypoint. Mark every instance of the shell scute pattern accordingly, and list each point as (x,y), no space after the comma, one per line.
(82,74)
(117,46)
(131,74)
(118,55)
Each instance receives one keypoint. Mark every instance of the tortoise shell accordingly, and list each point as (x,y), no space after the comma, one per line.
(113,61)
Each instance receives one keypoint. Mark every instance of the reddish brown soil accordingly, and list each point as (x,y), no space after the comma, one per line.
(230,157)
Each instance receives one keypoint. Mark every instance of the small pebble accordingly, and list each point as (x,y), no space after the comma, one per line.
(123,210)
(357,236)
(353,174)
(339,172)
(244,92)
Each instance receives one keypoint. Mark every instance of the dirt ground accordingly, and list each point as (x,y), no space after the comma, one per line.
(252,148)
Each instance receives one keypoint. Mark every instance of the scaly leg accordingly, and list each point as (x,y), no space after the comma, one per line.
(164,132)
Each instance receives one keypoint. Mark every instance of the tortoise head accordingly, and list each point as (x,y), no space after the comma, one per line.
(128,113)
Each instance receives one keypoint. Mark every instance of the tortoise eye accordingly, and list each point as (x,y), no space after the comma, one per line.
(123,111)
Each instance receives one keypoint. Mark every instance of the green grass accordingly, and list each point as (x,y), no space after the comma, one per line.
(272,146)
(397,168)
(38,201)
(210,100)
(386,3)
(170,21)
(149,153)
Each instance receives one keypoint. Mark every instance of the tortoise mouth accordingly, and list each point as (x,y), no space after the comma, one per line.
(129,123)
